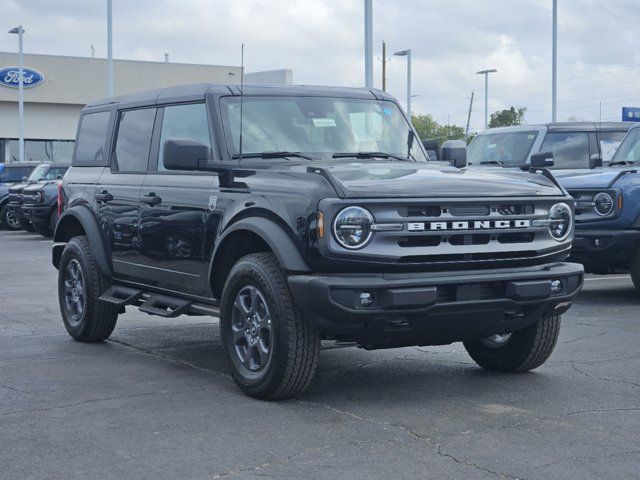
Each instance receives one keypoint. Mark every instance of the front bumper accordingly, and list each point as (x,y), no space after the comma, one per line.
(37,213)
(602,250)
(433,308)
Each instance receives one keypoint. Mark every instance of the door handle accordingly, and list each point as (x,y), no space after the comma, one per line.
(151,199)
(104,196)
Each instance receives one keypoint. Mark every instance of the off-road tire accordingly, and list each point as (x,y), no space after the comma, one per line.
(525,350)
(98,318)
(4,219)
(634,268)
(26,225)
(295,343)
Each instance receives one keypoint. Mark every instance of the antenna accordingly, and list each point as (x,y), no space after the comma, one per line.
(241,99)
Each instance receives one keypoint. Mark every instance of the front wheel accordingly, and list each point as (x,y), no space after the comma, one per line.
(9,219)
(271,349)
(519,351)
(80,284)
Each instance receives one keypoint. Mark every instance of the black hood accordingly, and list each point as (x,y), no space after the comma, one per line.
(404,179)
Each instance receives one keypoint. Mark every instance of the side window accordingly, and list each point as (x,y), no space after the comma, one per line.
(91,139)
(570,149)
(184,122)
(135,128)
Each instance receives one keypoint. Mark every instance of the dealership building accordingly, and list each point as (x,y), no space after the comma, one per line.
(57,87)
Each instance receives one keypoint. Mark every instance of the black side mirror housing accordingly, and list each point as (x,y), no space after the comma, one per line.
(455,152)
(542,160)
(185,154)
(595,161)
(433,149)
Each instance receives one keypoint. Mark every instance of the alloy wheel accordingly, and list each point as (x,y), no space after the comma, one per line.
(74,292)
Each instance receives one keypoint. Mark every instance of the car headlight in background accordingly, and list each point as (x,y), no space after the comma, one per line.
(39,196)
(352,227)
(603,203)
(561,220)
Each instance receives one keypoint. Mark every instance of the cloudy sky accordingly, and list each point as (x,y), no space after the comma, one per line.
(322,41)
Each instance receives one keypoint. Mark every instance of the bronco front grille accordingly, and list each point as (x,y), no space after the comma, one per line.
(459,232)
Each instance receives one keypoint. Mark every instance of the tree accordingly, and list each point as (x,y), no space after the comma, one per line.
(506,118)
(429,129)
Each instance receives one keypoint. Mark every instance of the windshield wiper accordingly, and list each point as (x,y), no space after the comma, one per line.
(283,154)
(364,155)
(491,162)
(621,162)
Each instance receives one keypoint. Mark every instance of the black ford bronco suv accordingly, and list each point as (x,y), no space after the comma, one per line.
(299,214)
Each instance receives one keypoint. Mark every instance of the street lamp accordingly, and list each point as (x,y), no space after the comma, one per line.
(20,32)
(407,53)
(486,93)
(109,50)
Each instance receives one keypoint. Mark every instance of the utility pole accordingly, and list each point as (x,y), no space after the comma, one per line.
(109,51)
(368,44)
(20,32)
(554,67)
(384,66)
(486,94)
(466,131)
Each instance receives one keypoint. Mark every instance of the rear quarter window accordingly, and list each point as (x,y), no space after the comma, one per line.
(92,135)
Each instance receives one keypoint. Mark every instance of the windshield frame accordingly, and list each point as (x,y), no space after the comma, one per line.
(227,137)
(631,138)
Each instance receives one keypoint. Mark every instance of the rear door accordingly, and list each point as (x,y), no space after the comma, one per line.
(118,190)
(176,206)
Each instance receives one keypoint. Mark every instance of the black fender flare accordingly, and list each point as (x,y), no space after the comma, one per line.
(86,218)
(284,248)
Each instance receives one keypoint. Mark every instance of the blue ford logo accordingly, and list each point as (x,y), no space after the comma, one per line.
(9,77)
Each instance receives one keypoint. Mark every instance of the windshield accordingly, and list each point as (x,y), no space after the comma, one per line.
(508,148)
(318,126)
(39,173)
(629,149)
(14,174)
(609,143)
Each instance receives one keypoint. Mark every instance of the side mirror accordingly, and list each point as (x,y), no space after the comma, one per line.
(542,160)
(455,152)
(184,154)
(433,149)
(595,160)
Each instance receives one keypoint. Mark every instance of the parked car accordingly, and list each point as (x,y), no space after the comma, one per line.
(573,144)
(313,214)
(40,206)
(42,172)
(608,211)
(10,174)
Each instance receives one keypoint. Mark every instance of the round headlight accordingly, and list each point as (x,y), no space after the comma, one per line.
(352,227)
(603,203)
(561,219)
(39,196)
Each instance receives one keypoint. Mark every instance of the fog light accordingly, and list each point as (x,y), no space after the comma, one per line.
(366,299)
(596,242)
(556,286)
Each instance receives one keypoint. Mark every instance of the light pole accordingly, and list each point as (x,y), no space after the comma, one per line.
(109,51)
(407,53)
(486,93)
(554,64)
(20,32)
(368,44)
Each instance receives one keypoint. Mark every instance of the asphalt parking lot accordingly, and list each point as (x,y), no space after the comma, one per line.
(155,401)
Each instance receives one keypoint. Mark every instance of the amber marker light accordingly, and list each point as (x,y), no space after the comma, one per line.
(320,219)
(620,202)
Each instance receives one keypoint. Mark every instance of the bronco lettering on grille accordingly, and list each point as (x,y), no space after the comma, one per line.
(462,225)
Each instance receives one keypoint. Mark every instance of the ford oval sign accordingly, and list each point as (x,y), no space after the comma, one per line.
(9,77)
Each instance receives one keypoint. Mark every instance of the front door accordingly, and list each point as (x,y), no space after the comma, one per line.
(175,209)
(118,191)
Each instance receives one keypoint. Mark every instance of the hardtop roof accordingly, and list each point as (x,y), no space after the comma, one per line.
(196,92)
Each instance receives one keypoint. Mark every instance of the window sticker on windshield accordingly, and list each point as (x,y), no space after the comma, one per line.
(608,148)
(386,111)
(324,122)
(531,136)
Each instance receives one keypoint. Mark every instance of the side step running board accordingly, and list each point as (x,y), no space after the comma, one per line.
(165,306)
(120,296)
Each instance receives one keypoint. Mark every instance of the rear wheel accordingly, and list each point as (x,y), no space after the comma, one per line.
(519,351)
(634,268)
(80,284)
(9,219)
(271,349)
